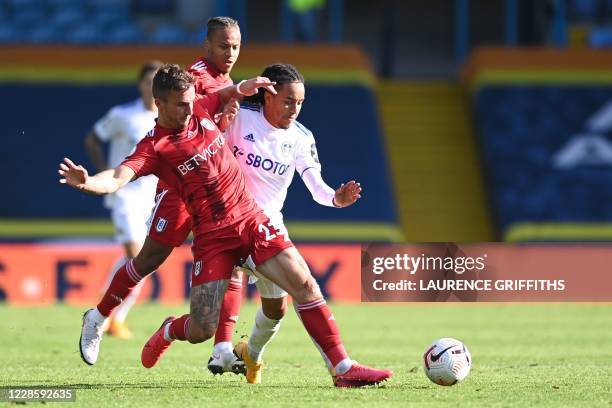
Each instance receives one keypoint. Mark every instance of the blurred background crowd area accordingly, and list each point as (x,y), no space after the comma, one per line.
(465,120)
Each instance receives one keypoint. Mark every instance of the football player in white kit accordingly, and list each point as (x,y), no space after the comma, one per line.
(123,127)
(271,146)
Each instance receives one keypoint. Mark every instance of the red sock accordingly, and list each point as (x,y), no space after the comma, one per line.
(179,328)
(125,279)
(320,324)
(230,309)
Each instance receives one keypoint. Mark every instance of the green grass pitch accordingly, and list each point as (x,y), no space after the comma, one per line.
(524,355)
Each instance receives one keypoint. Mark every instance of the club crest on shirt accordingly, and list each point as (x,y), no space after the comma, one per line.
(286,149)
(197,268)
(161,224)
(207,124)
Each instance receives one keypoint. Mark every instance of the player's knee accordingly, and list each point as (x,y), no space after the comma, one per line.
(308,290)
(274,308)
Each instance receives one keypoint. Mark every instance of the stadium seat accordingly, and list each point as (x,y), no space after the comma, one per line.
(86,34)
(45,34)
(119,7)
(125,34)
(23,5)
(600,38)
(68,18)
(198,36)
(169,34)
(9,34)
(107,18)
(28,18)
(59,5)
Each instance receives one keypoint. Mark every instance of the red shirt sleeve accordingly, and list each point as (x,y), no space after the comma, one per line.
(144,160)
(210,103)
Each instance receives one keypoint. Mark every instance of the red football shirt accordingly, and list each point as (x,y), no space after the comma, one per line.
(208,79)
(198,164)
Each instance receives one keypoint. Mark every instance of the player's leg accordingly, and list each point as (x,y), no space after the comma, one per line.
(289,270)
(209,278)
(223,358)
(169,227)
(127,277)
(267,324)
(117,326)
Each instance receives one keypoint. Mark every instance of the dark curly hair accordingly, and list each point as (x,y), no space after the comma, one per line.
(279,73)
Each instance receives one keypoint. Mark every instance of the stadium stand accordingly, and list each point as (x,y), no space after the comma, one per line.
(544,124)
(349,139)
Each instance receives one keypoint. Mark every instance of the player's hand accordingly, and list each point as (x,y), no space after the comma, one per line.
(229,113)
(73,175)
(347,194)
(250,86)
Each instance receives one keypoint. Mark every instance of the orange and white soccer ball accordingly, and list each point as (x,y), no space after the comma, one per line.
(447,361)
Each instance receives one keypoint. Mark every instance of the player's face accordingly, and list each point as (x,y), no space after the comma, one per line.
(222,48)
(176,109)
(282,109)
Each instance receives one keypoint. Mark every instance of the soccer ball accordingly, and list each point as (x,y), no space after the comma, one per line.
(447,361)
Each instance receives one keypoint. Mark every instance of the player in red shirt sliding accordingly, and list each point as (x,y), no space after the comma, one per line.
(170,222)
(187,151)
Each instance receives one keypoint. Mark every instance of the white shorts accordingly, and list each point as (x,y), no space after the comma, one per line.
(130,220)
(266,288)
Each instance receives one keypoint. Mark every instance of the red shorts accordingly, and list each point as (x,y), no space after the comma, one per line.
(170,223)
(215,253)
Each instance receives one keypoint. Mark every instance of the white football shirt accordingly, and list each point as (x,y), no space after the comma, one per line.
(123,127)
(269,156)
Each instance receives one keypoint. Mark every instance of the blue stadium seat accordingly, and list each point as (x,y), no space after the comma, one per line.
(9,34)
(68,18)
(600,38)
(58,5)
(109,19)
(28,17)
(86,34)
(23,5)
(198,36)
(45,34)
(125,34)
(119,7)
(169,34)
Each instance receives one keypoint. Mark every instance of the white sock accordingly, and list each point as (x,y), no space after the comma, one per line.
(97,316)
(167,332)
(343,366)
(121,312)
(223,347)
(263,332)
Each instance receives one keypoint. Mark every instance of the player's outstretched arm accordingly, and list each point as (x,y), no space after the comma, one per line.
(323,194)
(105,182)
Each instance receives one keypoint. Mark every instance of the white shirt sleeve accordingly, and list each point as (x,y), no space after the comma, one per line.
(108,126)
(321,192)
(309,168)
(306,156)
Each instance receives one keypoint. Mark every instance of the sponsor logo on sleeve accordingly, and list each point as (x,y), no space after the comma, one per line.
(161,224)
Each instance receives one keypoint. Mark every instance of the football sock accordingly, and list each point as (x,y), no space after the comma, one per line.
(263,332)
(177,329)
(121,312)
(122,284)
(223,347)
(230,309)
(321,325)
